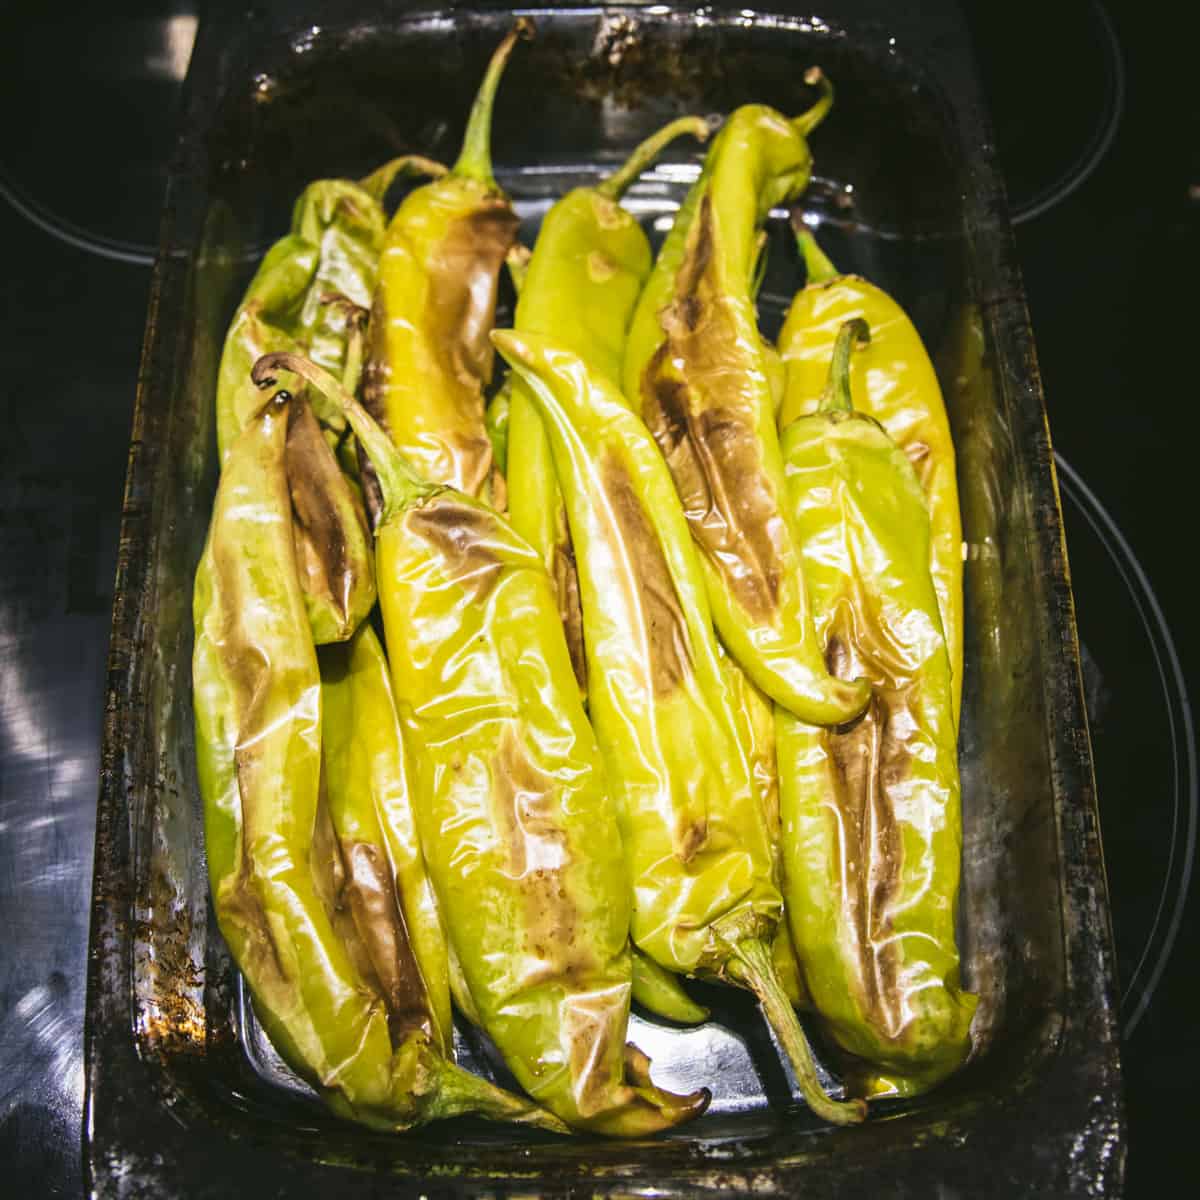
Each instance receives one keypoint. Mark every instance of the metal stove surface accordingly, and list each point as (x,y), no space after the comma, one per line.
(1099,147)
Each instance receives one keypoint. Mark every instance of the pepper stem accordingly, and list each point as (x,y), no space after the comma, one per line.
(398,481)
(379,180)
(459,1092)
(806,122)
(836,396)
(615,184)
(818,267)
(751,965)
(475,160)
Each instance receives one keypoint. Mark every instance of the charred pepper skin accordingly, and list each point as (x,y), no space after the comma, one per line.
(386,890)
(871,813)
(580,287)
(306,295)
(258,711)
(516,821)
(894,382)
(429,358)
(693,822)
(695,369)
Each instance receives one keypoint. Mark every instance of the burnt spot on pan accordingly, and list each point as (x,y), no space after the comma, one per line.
(696,402)
(463,535)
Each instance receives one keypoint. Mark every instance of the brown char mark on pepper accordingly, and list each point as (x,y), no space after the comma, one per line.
(376,374)
(570,604)
(666,627)
(357,887)
(537,858)
(460,314)
(869,759)
(461,534)
(322,555)
(704,424)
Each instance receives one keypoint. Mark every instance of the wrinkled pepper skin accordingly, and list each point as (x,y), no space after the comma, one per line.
(693,822)
(306,296)
(518,829)
(429,358)
(695,369)
(257,700)
(871,813)
(589,265)
(369,789)
(893,381)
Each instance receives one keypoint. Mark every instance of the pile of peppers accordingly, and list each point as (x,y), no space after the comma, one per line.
(534,696)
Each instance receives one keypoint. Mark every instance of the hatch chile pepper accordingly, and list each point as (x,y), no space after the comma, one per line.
(257,700)
(306,294)
(369,790)
(589,264)
(693,823)
(695,370)
(894,382)
(871,813)
(429,357)
(517,826)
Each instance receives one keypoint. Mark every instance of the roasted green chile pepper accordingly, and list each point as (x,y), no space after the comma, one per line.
(589,265)
(429,358)
(894,382)
(693,823)
(306,295)
(257,700)
(518,828)
(871,813)
(386,888)
(695,370)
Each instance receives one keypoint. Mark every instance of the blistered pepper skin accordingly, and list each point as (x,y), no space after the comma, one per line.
(429,358)
(893,381)
(693,820)
(306,296)
(517,826)
(871,813)
(370,795)
(696,370)
(258,711)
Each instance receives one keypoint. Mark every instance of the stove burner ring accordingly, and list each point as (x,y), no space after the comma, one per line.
(1185,801)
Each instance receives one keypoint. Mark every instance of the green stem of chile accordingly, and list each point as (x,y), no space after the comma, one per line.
(836,397)
(614,186)
(817,265)
(380,180)
(806,122)
(751,965)
(398,482)
(475,160)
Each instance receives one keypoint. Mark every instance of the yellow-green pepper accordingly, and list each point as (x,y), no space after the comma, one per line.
(429,358)
(695,370)
(894,382)
(517,826)
(871,813)
(694,826)
(258,710)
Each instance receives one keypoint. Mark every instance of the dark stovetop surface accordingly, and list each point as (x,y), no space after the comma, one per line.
(1098,138)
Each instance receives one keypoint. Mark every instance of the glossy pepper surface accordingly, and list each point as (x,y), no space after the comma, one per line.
(893,381)
(706,901)
(695,370)
(307,295)
(429,357)
(516,822)
(871,813)
(589,265)
(257,699)
(386,890)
